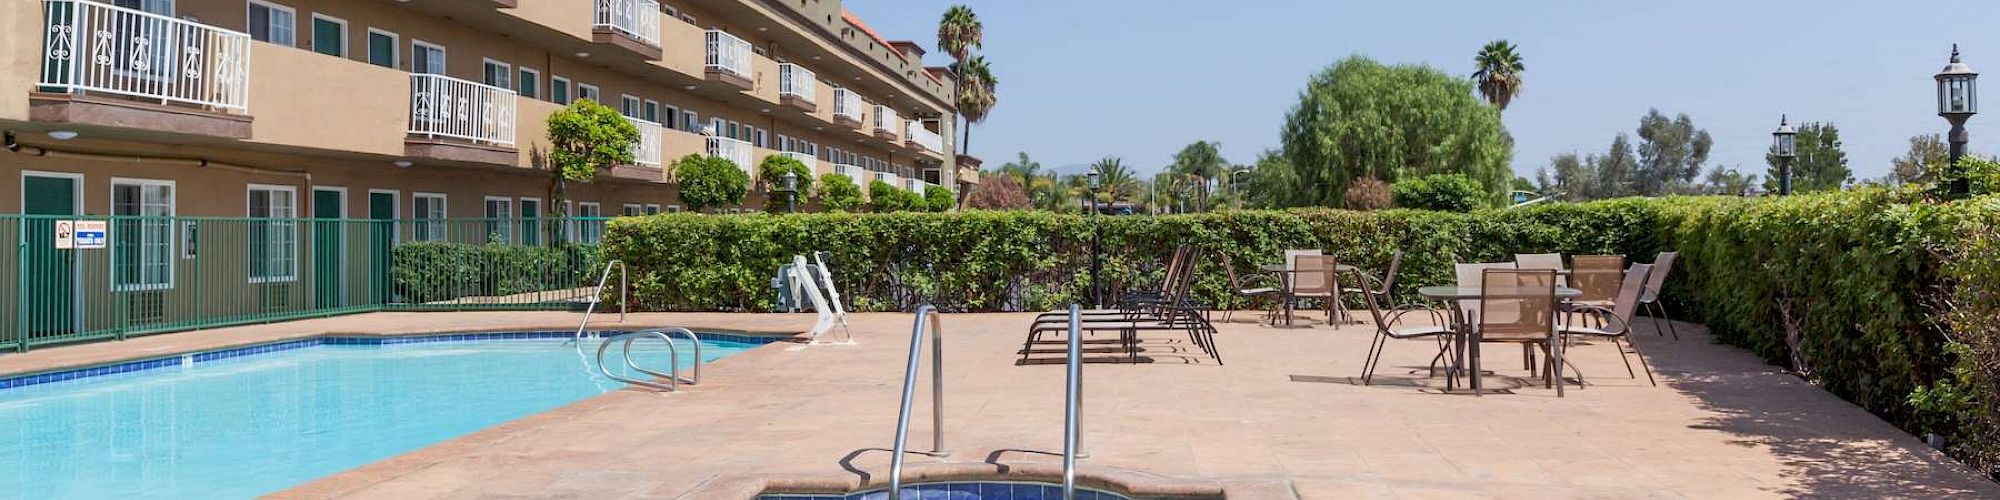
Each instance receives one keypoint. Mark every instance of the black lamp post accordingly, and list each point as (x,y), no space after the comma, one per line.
(1785,142)
(1096,235)
(791,192)
(1958,100)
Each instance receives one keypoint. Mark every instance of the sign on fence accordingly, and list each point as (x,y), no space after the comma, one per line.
(65,234)
(81,234)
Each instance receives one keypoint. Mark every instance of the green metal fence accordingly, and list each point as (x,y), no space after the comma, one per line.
(158,274)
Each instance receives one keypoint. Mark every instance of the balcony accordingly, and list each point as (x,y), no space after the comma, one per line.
(798,87)
(148,71)
(459,120)
(807,159)
(738,152)
(888,178)
(917,135)
(729,60)
(630,24)
(887,122)
(647,151)
(860,175)
(846,107)
(915,185)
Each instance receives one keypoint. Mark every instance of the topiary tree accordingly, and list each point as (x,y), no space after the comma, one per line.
(585,137)
(939,199)
(1367,193)
(1443,192)
(1360,118)
(839,193)
(708,182)
(884,197)
(771,178)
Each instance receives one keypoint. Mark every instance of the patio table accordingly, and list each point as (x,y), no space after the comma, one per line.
(1285,283)
(1465,334)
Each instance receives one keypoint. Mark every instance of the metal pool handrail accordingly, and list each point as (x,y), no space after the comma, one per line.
(673,358)
(1072,402)
(926,314)
(597,296)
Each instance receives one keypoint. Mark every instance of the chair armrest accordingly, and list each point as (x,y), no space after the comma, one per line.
(1399,311)
(1615,319)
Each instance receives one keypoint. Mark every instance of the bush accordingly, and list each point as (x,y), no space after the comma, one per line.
(939,199)
(1367,193)
(433,272)
(884,198)
(839,193)
(707,182)
(771,173)
(1442,192)
(998,192)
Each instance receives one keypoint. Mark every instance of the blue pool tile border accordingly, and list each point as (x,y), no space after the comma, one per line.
(186,359)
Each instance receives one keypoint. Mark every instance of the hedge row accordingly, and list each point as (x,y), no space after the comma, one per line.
(1881,297)
(433,271)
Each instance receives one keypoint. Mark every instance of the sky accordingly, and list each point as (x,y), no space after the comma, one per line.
(1084,79)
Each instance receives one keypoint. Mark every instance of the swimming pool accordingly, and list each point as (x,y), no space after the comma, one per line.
(224,425)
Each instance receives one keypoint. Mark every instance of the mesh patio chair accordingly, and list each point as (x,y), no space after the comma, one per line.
(1599,278)
(1616,321)
(1472,275)
(1552,261)
(1385,287)
(1650,297)
(1386,330)
(1317,278)
(1242,294)
(1518,306)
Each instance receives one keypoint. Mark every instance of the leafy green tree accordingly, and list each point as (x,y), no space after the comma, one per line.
(1671,153)
(839,193)
(939,199)
(1820,165)
(1498,73)
(1272,183)
(1574,178)
(585,137)
(771,178)
(1116,183)
(1202,163)
(1618,171)
(884,197)
(1919,165)
(1728,181)
(708,182)
(1443,192)
(1359,118)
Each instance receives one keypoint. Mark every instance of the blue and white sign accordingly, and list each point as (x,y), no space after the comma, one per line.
(91,234)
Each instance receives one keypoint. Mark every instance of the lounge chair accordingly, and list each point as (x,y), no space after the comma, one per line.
(1174,313)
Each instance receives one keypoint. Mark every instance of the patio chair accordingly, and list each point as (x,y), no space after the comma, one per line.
(1650,297)
(1173,313)
(1472,276)
(1317,279)
(1551,261)
(1615,321)
(1385,287)
(1518,306)
(1598,277)
(1244,295)
(1386,330)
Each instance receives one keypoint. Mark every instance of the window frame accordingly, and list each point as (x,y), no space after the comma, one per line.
(173,230)
(526,75)
(395,47)
(558,82)
(650,111)
(506,71)
(596,92)
(395,212)
(444,57)
(584,228)
(631,210)
(530,226)
(421,220)
(289,223)
(636,107)
(652,209)
(316,17)
(247,4)
(503,224)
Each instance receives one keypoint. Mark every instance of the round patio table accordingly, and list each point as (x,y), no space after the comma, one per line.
(1464,335)
(1285,283)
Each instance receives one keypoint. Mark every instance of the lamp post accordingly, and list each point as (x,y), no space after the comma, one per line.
(791,192)
(1235,187)
(1784,142)
(1958,100)
(1096,235)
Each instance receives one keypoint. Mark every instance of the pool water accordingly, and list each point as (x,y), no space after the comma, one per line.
(251,425)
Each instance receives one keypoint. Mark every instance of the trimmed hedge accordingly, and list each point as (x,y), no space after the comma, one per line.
(434,271)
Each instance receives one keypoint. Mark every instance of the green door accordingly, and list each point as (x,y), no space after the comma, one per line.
(48,288)
(329,275)
(381,236)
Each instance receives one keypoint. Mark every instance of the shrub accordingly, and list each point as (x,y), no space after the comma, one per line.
(771,173)
(1442,192)
(839,193)
(939,199)
(426,272)
(1367,193)
(707,182)
(884,198)
(998,192)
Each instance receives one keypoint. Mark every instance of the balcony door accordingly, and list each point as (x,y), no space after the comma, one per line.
(426,58)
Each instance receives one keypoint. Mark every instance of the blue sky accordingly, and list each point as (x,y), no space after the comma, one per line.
(1080,80)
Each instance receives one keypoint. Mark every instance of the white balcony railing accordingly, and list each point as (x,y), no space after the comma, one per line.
(638,19)
(735,151)
(797,81)
(807,159)
(442,106)
(860,175)
(886,119)
(924,137)
(647,151)
(888,178)
(728,53)
(96,47)
(846,104)
(914,185)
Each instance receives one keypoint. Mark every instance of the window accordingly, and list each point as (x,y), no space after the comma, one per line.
(672,118)
(530,83)
(531,221)
(588,91)
(496,73)
(274,239)
(717,126)
(632,210)
(499,219)
(382,48)
(329,35)
(558,89)
(590,231)
(759,138)
(690,121)
(674,209)
(652,208)
(651,111)
(426,57)
(142,246)
(161,7)
(731,131)
(270,22)
(428,210)
(628,105)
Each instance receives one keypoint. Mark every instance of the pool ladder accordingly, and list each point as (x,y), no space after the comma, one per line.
(672,375)
(597,296)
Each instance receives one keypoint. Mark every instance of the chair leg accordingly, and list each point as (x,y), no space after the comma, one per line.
(1670,320)
(1648,367)
(1375,347)
(1622,355)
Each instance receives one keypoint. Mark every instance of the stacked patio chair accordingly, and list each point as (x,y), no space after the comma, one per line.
(1599,278)
(1175,264)
(1615,321)
(1651,295)
(1170,313)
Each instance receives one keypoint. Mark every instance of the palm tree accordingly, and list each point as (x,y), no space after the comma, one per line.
(959,32)
(976,93)
(1499,73)
(1115,182)
(1203,162)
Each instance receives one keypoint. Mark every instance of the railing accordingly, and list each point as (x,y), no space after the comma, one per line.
(673,373)
(735,151)
(1073,402)
(728,53)
(915,185)
(97,47)
(886,119)
(163,274)
(442,106)
(887,178)
(647,150)
(846,104)
(638,19)
(597,295)
(860,175)
(807,159)
(925,314)
(797,81)
(924,137)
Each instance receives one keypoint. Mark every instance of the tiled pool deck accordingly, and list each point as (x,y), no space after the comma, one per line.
(1281,420)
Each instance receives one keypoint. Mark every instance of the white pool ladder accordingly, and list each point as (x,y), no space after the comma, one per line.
(597,296)
(672,375)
